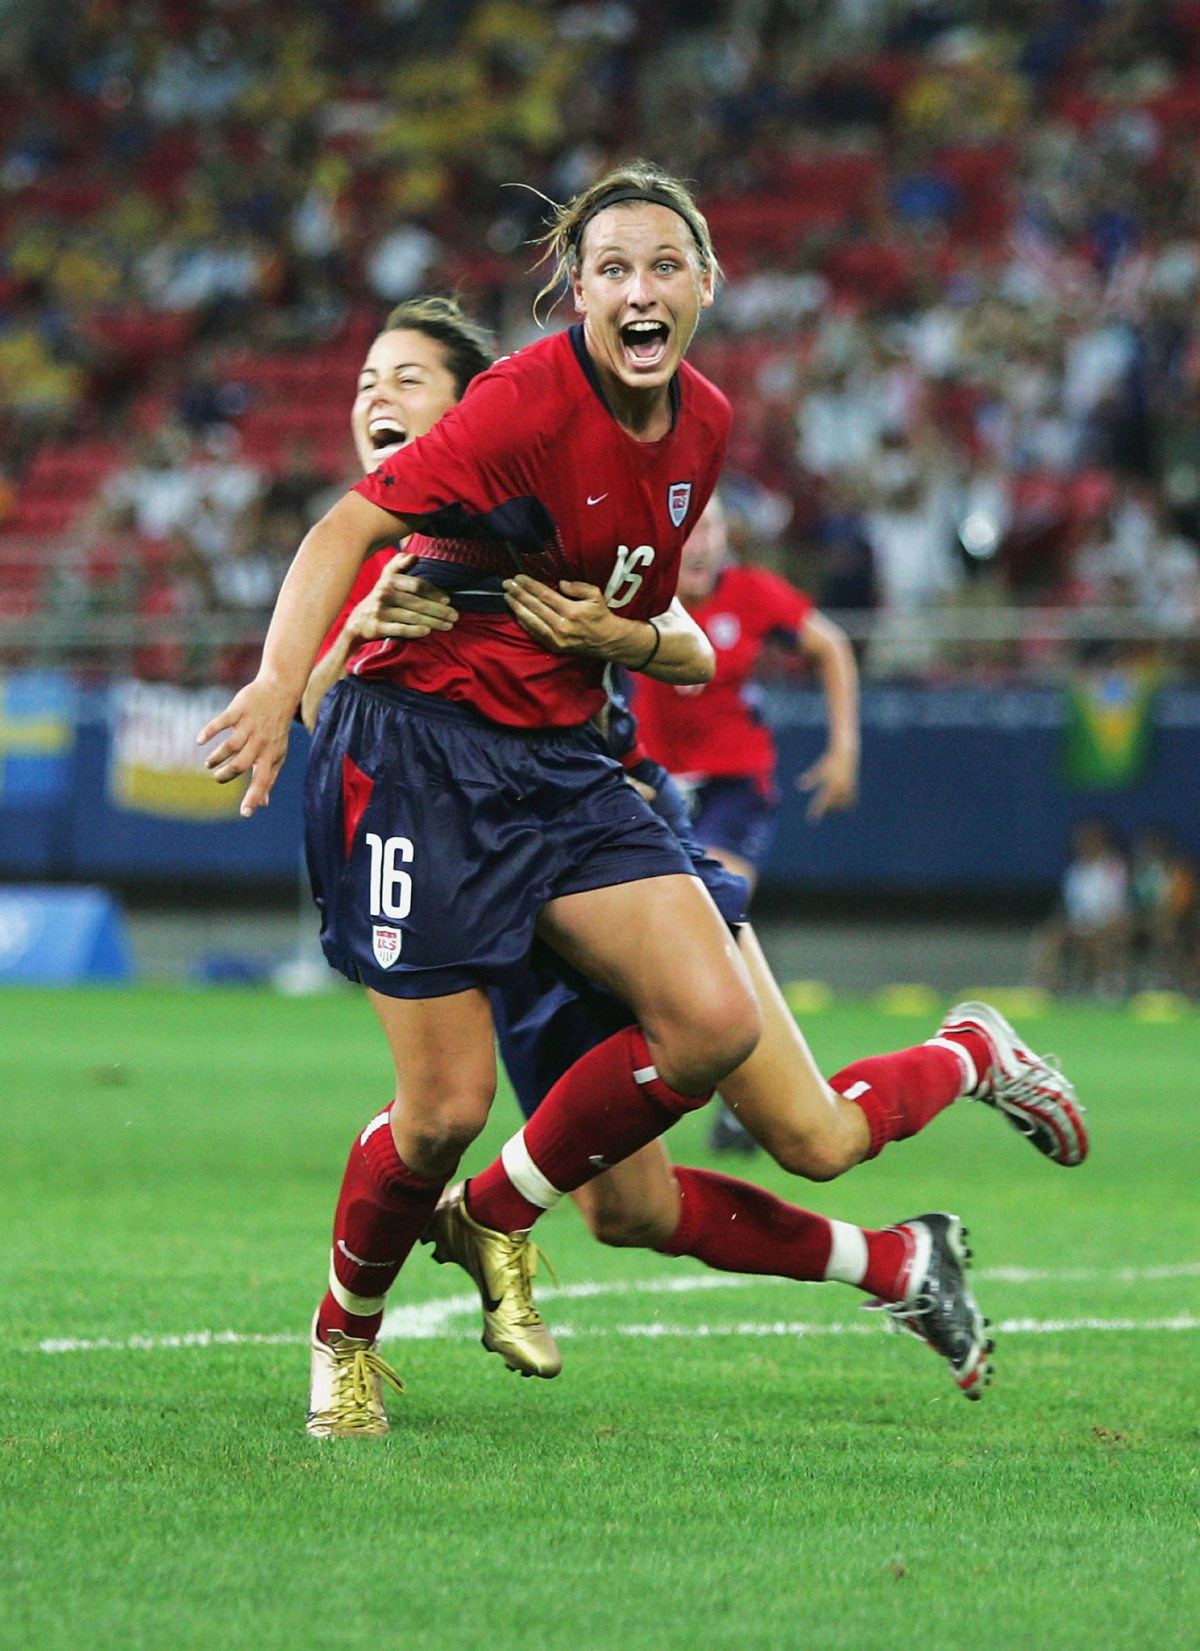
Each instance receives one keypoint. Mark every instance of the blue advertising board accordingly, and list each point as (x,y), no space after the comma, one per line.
(961,788)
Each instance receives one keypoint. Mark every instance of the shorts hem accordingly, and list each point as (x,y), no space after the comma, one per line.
(627,868)
(409,983)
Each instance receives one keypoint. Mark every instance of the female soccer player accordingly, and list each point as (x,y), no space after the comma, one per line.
(710,737)
(547,1015)
(473,762)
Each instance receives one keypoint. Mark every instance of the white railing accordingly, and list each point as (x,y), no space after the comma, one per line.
(1028,642)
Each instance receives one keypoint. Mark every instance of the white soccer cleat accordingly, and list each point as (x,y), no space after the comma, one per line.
(1029,1090)
(345,1396)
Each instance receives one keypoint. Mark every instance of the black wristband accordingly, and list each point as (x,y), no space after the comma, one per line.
(657,644)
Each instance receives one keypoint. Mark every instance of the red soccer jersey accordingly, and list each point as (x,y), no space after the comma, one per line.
(532,472)
(363,585)
(714,730)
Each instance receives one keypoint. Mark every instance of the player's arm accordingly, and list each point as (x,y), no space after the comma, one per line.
(258,718)
(833,778)
(575,619)
(399,606)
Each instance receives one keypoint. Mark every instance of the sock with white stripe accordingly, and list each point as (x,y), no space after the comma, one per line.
(738,1228)
(606,1106)
(382,1211)
(902,1092)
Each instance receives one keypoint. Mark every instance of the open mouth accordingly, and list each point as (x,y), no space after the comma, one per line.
(386,437)
(645,342)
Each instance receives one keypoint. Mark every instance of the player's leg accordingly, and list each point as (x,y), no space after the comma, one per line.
(734,822)
(779,1094)
(734,1227)
(914,1269)
(398,1165)
(820,1129)
(550,1013)
(661,946)
(392,794)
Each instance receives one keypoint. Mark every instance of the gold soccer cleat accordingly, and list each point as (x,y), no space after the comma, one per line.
(503,1267)
(345,1398)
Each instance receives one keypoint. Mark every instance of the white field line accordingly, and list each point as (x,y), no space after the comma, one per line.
(430,1320)
(780,1327)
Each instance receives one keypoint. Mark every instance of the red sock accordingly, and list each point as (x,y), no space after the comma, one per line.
(606,1106)
(903,1092)
(382,1211)
(738,1228)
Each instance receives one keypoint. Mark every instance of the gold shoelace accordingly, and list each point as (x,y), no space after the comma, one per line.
(352,1392)
(528,1254)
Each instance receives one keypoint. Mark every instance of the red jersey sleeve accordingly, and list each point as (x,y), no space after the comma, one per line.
(781,606)
(472,475)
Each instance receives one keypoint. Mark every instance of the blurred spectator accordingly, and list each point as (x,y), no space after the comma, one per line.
(296,490)
(398,263)
(161,487)
(1164,891)
(1085,945)
(956,240)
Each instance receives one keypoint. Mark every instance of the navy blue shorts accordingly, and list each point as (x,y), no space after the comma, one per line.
(550,1015)
(734,814)
(434,837)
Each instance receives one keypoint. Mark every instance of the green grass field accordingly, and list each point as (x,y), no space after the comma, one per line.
(719,1466)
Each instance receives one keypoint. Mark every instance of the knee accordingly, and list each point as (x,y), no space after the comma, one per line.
(720,1036)
(815,1154)
(814,1160)
(436,1133)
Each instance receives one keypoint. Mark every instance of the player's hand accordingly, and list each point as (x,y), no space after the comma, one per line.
(833,780)
(258,720)
(574,619)
(401,605)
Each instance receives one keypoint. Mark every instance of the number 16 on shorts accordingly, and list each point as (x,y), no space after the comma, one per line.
(391,893)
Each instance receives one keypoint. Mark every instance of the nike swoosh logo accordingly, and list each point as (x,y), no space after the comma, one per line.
(489,1305)
(358,1259)
(598,498)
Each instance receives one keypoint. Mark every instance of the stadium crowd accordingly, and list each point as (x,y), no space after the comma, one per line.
(961,242)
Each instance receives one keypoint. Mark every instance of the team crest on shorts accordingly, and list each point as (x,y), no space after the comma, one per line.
(385,943)
(679,496)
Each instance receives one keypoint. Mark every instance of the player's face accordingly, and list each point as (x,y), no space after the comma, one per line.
(403,390)
(640,289)
(704,553)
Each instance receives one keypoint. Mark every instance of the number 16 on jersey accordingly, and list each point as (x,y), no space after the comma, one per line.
(391,893)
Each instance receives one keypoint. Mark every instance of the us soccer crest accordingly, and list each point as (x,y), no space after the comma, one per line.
(679,496)
(385,943)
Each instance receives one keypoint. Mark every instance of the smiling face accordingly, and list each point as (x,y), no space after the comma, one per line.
(704,554)
(404,388)
(640,287)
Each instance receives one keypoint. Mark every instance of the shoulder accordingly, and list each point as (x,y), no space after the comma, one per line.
(543,365)
(760,588)
(704,401)
(520,394)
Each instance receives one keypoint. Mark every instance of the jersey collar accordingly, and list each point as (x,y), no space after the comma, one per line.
(589,372)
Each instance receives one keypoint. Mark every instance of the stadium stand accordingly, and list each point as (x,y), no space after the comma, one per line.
(963,254)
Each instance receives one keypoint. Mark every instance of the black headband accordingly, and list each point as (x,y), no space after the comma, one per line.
(658,197)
